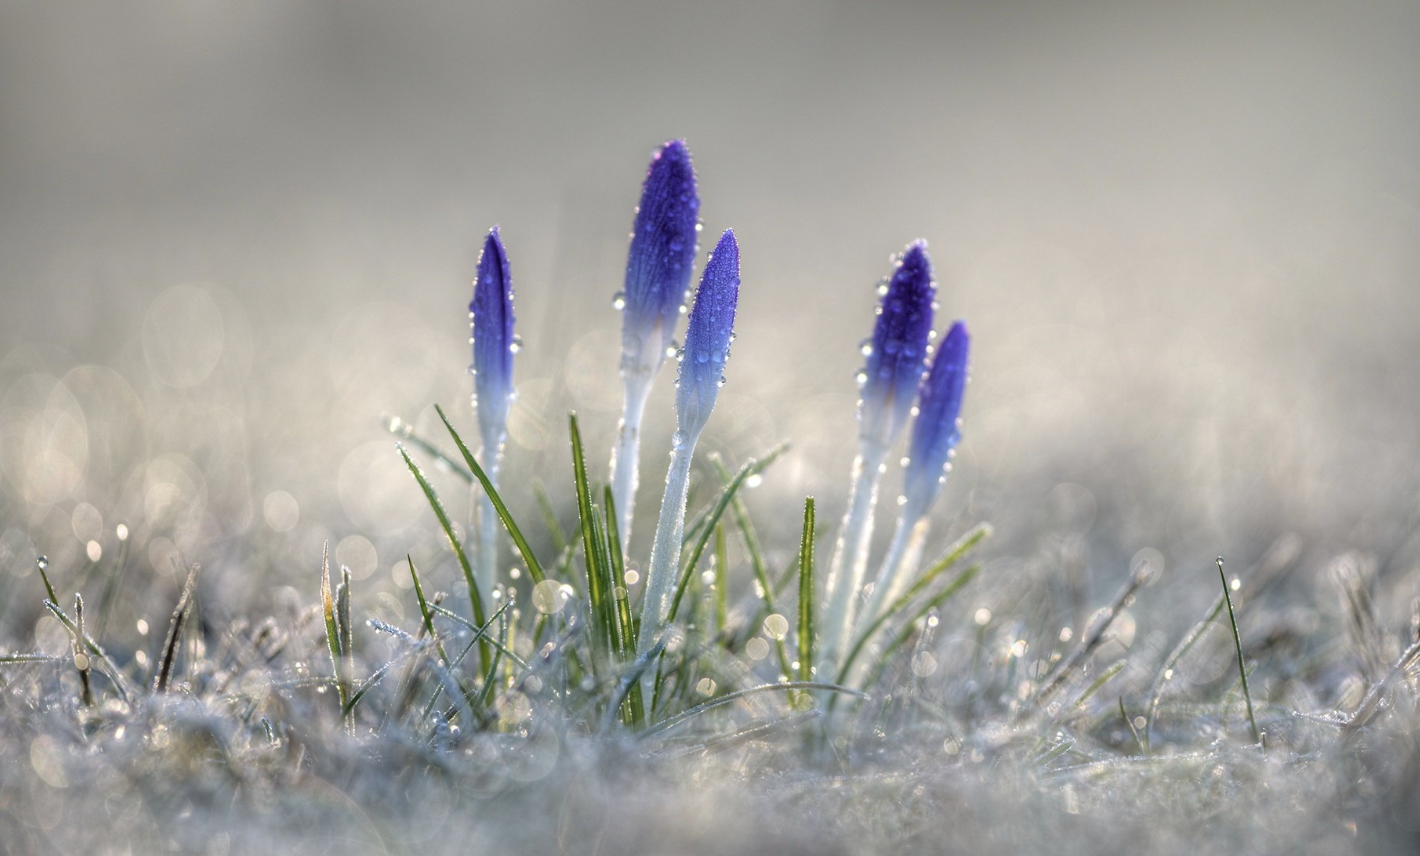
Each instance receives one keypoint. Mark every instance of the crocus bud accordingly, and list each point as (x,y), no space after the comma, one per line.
(935,432)
(491,313)
(659,262)
(898,349)
(708,337)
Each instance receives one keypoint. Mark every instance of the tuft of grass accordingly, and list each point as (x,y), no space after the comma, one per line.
(474,598)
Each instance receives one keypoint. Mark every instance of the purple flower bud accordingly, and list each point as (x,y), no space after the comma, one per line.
(708,336)
(662,253)
(935,433)
(491,312)
(896,357)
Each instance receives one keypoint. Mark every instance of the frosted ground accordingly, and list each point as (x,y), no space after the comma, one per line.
(232,240)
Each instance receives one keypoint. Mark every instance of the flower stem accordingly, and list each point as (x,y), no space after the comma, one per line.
(907,539)
(624,455)
(850,553)
(487,522)
(665,552)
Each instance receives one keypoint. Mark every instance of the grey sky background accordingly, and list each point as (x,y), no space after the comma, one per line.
(1186,238)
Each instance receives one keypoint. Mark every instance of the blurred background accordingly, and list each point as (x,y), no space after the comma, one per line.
(234,237)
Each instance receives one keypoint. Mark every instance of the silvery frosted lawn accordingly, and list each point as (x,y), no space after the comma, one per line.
(554,685)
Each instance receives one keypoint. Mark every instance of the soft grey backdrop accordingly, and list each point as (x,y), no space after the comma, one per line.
(1186,238)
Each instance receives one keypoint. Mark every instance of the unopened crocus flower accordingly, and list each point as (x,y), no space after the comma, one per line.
(491,317)
(658,267)
(896,359)
(707,348)
(935,433)
(898,349)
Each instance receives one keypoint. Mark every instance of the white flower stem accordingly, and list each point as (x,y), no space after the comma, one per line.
(665,554)
(624,455)
(850,553)
(907,540)
(486,573)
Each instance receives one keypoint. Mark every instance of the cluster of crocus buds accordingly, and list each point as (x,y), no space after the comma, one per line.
(902,378)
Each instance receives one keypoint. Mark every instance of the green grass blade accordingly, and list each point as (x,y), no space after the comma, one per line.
(1237,642)
(501,647)
(1167,670)
(630,680)
(332,627)
(751,468)
(348,711)
(405,432)
(722,561)
(490,680)
(424,611)
(1105,677)
(905,634)
(727,698)
(524,550)
(756,561)
(549,516)
(599,599)
(475,599)
(806,593)
(608,585)
(953,555)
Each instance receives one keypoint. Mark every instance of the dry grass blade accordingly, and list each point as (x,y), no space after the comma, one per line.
(1094,635)
(163,675)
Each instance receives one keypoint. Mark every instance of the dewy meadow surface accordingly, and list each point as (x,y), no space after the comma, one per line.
(236,246)
(530,685)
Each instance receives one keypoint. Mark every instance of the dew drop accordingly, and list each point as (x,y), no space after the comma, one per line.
(516,345)
(720,383)
(618,301)
(865,347)
(702,356)
(861,377)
